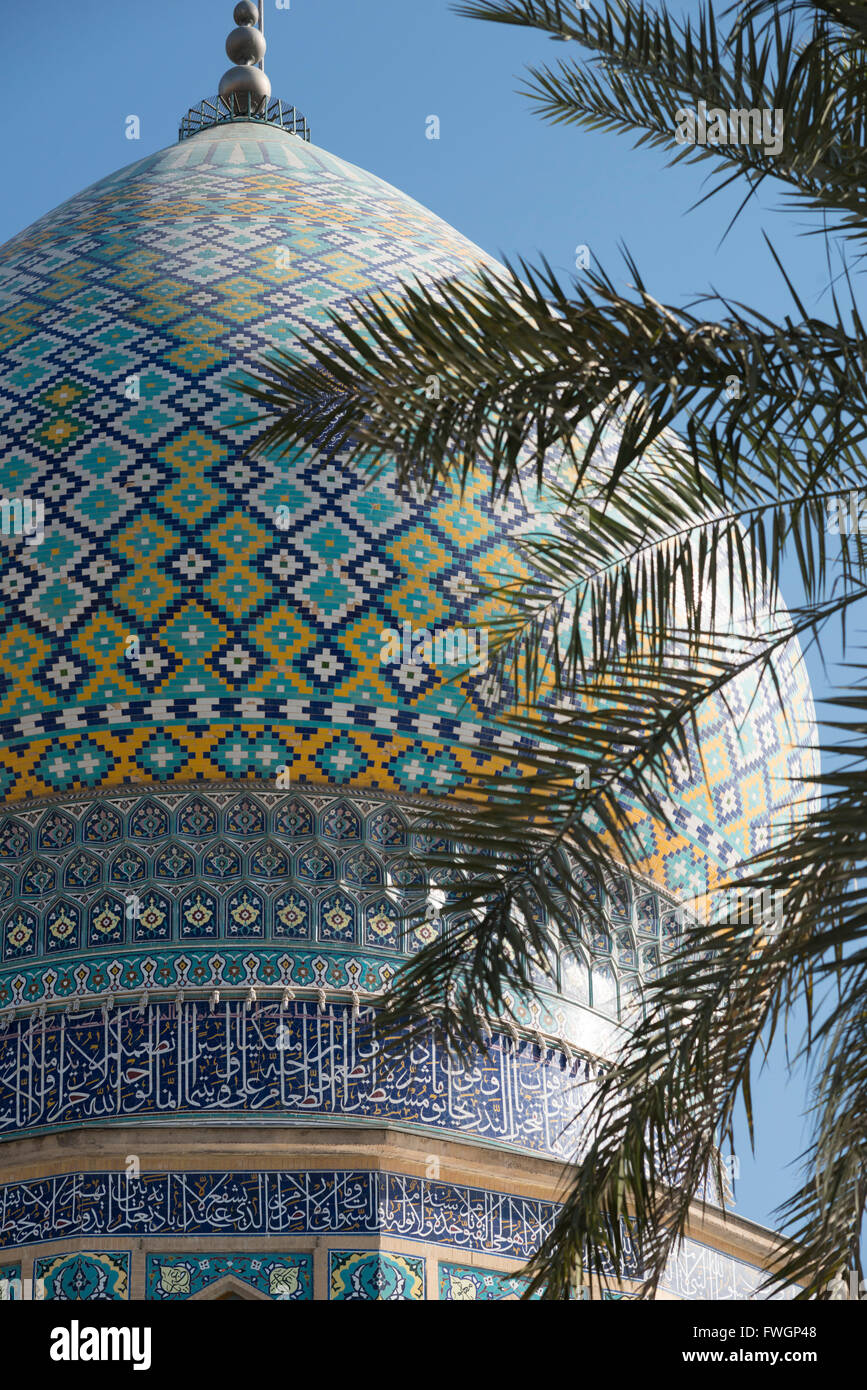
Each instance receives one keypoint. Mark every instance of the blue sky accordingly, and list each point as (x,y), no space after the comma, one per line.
(367,76)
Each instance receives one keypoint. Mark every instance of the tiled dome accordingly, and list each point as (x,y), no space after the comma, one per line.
(186,942)
(127,316)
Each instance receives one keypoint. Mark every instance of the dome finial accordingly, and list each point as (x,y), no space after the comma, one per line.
(245,91)
(245,88)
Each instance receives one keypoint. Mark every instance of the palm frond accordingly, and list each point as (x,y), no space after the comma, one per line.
(648,67)
(654,1124)
(657,588)
(532,388)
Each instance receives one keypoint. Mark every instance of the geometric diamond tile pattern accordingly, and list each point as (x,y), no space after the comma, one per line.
(194,611)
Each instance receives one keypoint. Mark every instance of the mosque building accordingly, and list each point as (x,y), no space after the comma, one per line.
(212,781)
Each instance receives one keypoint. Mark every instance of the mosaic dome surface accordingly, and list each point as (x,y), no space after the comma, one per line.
(126,316)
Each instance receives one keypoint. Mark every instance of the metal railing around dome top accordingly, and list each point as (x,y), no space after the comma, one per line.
(215,111)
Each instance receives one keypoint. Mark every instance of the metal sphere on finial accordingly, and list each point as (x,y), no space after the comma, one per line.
(244,88)
(245,91)
(246,45)
(239,83)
